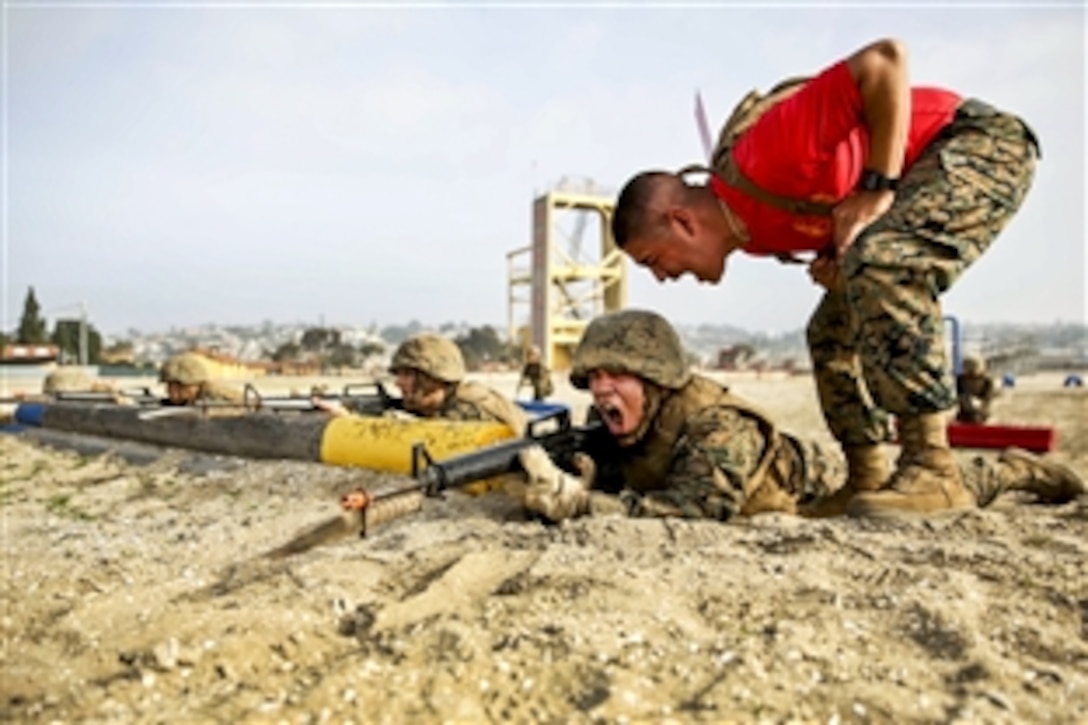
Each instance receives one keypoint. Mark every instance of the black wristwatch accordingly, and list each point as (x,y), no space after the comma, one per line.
(875,181)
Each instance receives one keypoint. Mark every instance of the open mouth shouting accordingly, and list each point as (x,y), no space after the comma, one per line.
(612,415)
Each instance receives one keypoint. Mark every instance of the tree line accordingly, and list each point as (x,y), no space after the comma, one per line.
(480,346)
(33,329)
(324,345)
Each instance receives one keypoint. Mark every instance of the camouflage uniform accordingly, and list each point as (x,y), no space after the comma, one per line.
(878,343)
(538,375)
(439,358)
(709,454)
(705,453)
(66,380)
(74,380)
(974,392)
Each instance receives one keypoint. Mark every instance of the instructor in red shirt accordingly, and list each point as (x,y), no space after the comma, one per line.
(893,191)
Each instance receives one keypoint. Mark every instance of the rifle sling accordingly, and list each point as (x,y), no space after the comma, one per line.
(731,175)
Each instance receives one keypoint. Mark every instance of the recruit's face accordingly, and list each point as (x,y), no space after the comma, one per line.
(620,399)
(421,393)
(180,394)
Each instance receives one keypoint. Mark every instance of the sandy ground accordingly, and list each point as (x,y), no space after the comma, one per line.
(134,591)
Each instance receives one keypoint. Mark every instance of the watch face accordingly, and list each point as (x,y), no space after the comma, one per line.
(875,181)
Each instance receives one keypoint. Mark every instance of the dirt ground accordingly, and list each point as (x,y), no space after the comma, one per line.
(134,591)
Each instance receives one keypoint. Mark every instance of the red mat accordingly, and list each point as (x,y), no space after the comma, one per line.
(973,435)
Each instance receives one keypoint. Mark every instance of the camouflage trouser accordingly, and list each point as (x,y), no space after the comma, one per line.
(878,345)
(817,470)
(820,472)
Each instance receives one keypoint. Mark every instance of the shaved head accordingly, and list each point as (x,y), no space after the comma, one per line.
(672,229)
(642,196)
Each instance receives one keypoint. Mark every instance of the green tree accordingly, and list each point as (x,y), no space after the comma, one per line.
(287,352)
(370,348)
(481,345)
(343,356)
(320,339)
(32,325)
(66,337)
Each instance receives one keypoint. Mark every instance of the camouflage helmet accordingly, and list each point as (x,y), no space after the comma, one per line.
(188,368)
(432,354)
(636,342)
(65,380)
(973,365)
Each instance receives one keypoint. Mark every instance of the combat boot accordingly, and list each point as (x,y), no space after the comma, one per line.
(1051,482)
(927,477)
(867,470)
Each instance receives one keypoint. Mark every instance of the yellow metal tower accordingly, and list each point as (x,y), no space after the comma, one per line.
(567,285)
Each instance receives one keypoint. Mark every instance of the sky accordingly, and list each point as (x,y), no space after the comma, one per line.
(171,164)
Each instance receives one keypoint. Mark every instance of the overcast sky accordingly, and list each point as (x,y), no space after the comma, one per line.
(172,164)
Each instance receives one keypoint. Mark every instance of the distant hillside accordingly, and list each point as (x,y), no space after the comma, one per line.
(1063,344)
(1055,342)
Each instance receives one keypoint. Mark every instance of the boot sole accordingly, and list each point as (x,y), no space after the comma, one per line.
(1076,486)
(860,508)
(903,514)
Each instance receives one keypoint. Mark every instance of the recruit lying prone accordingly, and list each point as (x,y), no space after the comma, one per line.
(362,510)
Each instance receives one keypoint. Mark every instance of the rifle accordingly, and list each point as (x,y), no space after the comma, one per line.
(142,396)
(362,510)
(375,401)
(370,404)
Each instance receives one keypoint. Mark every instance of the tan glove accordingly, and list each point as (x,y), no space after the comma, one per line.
(552,491)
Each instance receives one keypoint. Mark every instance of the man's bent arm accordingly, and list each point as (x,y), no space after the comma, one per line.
(880,70)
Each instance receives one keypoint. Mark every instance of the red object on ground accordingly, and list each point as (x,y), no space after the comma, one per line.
(974,435)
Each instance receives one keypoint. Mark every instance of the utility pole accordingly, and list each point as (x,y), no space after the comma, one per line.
(83,334)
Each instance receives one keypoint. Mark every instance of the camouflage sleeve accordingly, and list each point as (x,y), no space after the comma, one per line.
(463,410)
(365,405)
(717,452)
(218,390)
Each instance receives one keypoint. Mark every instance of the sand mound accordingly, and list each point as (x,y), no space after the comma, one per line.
(135,591)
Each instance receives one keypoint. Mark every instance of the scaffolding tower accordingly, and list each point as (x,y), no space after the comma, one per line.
(556,285)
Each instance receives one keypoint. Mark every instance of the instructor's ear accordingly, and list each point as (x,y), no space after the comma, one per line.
(681,218)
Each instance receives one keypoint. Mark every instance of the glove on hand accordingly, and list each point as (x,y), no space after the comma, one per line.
(553,492)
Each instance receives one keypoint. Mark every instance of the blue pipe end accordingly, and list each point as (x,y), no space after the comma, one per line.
(30,413)
(540,409)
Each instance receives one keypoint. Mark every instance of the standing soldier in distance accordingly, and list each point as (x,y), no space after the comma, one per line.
(974,391)
(537,374)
